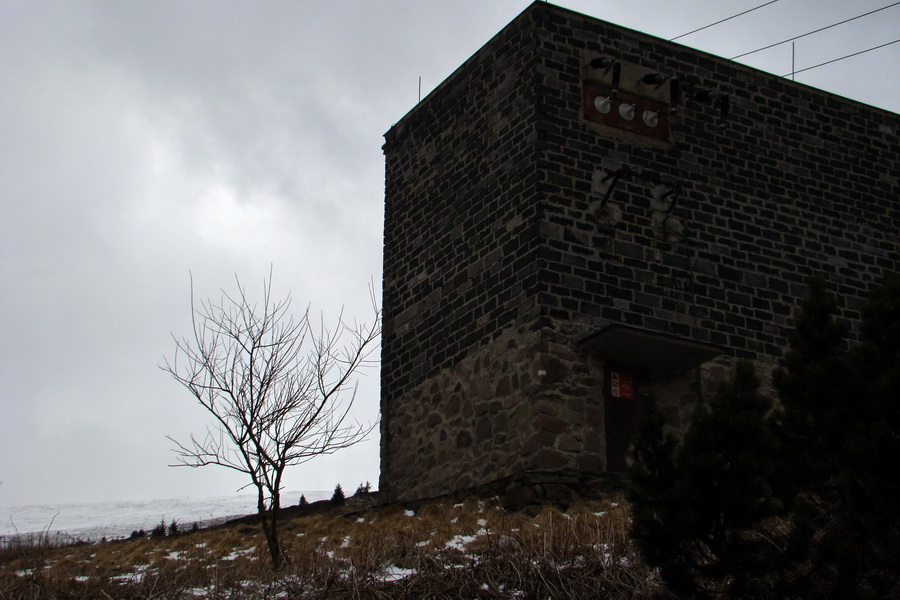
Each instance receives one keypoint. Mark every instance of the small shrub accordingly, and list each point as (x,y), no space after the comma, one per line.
(173,528)
(160,530)
(303,501)
(338,497)
(363,489)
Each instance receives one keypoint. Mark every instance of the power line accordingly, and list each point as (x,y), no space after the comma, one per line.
(722,21)
(841,58)
(815,31)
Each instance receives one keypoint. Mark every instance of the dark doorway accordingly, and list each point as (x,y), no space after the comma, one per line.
(620,392)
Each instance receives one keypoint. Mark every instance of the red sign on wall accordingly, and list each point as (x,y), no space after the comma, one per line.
(622,385)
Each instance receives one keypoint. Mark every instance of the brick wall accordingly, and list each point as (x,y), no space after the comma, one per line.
(460,230)
(496,264)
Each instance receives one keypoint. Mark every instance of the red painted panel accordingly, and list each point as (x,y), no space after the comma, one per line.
(613,118)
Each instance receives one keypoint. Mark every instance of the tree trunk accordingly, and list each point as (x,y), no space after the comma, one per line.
(274,544)
(269,527)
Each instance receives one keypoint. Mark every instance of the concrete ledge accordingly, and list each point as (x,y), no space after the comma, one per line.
(649,349)
(530,490)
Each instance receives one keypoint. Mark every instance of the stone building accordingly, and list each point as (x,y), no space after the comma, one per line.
(581,211)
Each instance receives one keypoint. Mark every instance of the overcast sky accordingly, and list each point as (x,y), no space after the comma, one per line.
(141,141)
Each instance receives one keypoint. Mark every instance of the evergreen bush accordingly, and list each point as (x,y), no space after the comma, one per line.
(798,501)
(699,506)
(159,530)
(338,498)
(840,422)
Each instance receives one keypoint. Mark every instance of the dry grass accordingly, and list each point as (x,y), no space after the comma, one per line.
(472,549)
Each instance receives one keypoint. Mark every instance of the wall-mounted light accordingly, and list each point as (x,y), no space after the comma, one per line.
(654,79)
(608,63)
(718,99)
(665,195)
(627,111)
(662,196)
(650,118)
(667,228)
(603,62)
(603,104)
(706,95)
(606,214)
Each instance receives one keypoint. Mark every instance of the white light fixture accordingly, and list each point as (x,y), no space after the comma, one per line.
(627,111)
(600,181)
(608,214)
(668,228)
(663,196)
(603,104)
(661,191)
(650,118)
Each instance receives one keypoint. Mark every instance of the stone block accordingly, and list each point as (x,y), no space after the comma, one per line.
(483,430)
(535,442)
(463,439)
(554,425)
(550,458)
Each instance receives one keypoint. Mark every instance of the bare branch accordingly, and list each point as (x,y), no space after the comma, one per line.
(279,391)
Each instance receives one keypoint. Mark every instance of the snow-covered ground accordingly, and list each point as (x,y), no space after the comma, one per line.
(92,521)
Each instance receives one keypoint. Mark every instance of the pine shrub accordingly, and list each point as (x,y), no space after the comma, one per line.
(159,530)
(337,499)
(840,423)
(699,507)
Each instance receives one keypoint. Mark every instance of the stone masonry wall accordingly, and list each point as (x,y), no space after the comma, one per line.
(494,414)
(460,225)
(496,263)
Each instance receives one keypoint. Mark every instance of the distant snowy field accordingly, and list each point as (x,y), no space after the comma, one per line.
(92,521)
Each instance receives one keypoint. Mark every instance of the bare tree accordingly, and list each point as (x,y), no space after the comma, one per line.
(279,390)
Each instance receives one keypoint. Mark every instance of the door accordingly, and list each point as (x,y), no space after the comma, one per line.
(620,394)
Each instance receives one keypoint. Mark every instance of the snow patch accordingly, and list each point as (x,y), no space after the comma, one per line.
(236,554)
(458,542)
(395,573)
(136,576)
